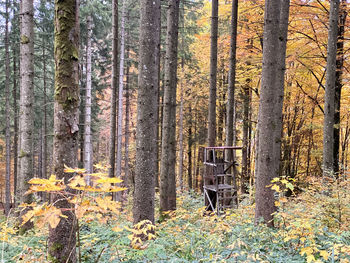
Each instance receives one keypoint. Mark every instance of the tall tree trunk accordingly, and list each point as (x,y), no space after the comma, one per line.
(181,135)
(158,58)
(245,177)
(338,84)
(147,109)
(168,156)
(120,93)
(88,157)
(278,108)
(62,240)
(265,206)
(26,113)
(127,120)
(213,71)
(7,113)
(44,158)
(15,124)
(328,125)
(189,150)
(115,77)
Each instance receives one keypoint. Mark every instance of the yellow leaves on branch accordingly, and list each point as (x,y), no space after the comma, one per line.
(47,214)
(84,205)
(45,185)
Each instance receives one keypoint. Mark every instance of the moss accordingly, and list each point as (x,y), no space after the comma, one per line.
(52,250)
(66,55)
(24,39)
(22,154)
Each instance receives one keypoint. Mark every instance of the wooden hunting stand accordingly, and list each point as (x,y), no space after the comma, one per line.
(219,179)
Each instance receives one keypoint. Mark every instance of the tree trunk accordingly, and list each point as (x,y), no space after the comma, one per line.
(213,71)
(245,177)
(115,77)
(328,126)
(15,124)
(338,84)
(7,113)
(87,122)
(189,150)
(168,156)
(26,113)
(120,94)
(147,109)
(278,108)
(181,135)
(265,206)
(44,159)
(127,121)
(62,240)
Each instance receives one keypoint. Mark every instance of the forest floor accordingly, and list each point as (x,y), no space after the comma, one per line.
(311,227)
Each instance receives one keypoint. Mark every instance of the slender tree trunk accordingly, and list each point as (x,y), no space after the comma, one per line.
(265,206)
(87,122)
(338,84)
(114,88)
(62,240)
(127,121)
(120,93)
(168,157)
(181,131)
(7,113)
(146,130)
(328,126)
(245,178)
(278,109)
(26,114)
(15,124)
(213,71)
(158,58)
(189,150)
(44,158)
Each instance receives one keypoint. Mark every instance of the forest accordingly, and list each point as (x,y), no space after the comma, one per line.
(174,131)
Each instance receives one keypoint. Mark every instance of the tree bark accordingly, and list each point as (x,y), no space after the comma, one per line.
(265,206)
(15,124)
(115,77)
(328,126)
(147,109)
(7,113)
(213,71)
(62,240)
(189,150)
(88,157)
(168,156)
(181,134)
(26,114)
(282,44)
(120,93)
(338,84)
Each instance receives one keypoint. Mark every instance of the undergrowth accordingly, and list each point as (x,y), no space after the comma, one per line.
(311,227)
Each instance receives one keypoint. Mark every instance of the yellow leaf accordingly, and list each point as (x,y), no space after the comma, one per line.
(310,258)
(324,254)
(277,203)
(75,170)
(117,229)
(276,188)
(276,179)
(111,180)
(283,200)
(306,250)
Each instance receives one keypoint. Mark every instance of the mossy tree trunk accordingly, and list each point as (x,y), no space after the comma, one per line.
(26,113)
(62,240)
